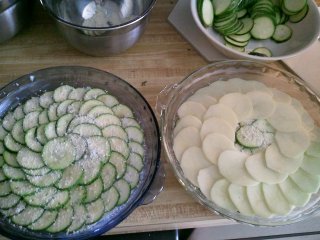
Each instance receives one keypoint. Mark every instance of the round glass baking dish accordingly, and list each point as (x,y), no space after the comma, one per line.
(152,175)
(173,96)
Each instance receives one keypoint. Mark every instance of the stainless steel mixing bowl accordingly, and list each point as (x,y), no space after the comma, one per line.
(100,27)
(13,16)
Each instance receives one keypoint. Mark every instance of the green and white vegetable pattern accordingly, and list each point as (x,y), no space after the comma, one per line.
(240,20)
(69,157)
(250,150)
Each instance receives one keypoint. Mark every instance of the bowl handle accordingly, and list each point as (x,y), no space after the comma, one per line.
(162,99)
(156,185)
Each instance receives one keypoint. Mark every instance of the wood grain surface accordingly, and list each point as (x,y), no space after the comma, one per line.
(161,57)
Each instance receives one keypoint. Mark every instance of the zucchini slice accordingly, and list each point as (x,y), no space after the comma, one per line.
(119,162)
(110,199)
(122,110)
(63,220)
(88,105)
(91,170)
(9,201)
(106,120)
(79,218)
(45,221)
(22,188)
(59,199)
(108,100)
(95,211)
(8,121)
(123,188)
(31,120)
(18,113)
(61,93)
(46,180)
(31,140)
(29,215)
(70,177)
(29,159)
(99,148)
(108,175)
(99,110)
(17,132)
(77,93)
(46,99)
(13,173)
(40,198)
(93,93)
(5,188)
(10,159)
(120,146)
(14,210)
(63,123)
(87,130)
(131,176)
(93,190)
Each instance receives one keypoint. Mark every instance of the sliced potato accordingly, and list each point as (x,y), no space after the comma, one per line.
(239,103)
(314,149)
(257,168)
(205,100)
(256,86)
(293,193)
(262,103)
(207,177)
(191,108)
(285,118)
(222,111)
(305,181)
(231,164)
(214,144)
(292,144)
(217,125)
(276,161)
(257,201)
(280,96)
(192,161)
(238,196)
(220,195)
(187,137)
(187,121)
(306,119)
(275,200)
(311,165)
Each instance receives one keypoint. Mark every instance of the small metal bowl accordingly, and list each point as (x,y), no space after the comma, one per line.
(13,17)
(100,27)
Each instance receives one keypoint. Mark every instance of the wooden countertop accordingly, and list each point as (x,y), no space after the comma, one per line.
(161,57)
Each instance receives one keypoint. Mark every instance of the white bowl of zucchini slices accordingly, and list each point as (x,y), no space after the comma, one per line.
(79,152)
(244,139)
(265,30)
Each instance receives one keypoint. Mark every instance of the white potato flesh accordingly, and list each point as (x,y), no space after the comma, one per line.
(240,104)
(217,125)
(187,121)
(276,161)
(207,177)
(262,103)
(233,85)
(306,119)
(311,165)
(192,161)
(257,201)
(191,108)
(187,137)
(275,200)
(205,100)
(220,195)
(222,111)
(293,144)
(238,196)
(315,134)
(249,86)
(285,118)
(280,96)
(231,164)
(257,168)
(305,181)
(214,144)
(216,89)
(294,194)
(314,149)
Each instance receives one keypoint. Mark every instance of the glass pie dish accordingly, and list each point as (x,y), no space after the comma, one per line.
(151,176)
(172,97)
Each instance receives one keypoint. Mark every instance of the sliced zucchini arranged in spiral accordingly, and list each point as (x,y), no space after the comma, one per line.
(67,158)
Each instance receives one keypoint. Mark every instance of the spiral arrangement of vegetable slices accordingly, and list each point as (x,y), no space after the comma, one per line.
(249,148)
(68,157)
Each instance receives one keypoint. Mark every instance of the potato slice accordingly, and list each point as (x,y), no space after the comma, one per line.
(239,103)
(276,161)
(187,137)
(238,196)
(249,86)
(187,121)
(214,144)
(217,125)
(280,96)
(207,177)
(191,108)
(222,111)
(257,201)
(216,89)
(220,195)
(293,193)
(262,103)
(314,149)
(192,161)
(275,200)
(205,100)
(311,165)
(257,168)
(285,118)
(305,181)
(292,144)
(231,165)
(306,119)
